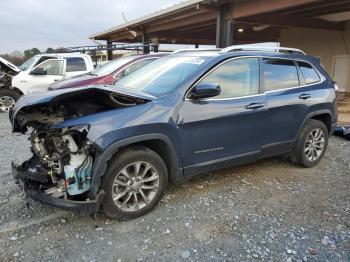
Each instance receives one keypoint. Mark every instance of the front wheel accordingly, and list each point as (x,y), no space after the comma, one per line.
(311,145)
(8,98)
(134,183)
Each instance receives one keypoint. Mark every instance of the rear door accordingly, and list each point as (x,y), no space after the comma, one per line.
(75,66)
(230,126)
(287,100)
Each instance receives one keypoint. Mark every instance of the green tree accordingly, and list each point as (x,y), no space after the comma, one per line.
(31,52)
(50,50)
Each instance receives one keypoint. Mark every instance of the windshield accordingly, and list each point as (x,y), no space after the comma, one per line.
(112,66)
(163,75)
(27,64)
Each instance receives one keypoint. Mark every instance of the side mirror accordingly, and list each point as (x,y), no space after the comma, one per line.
(205,90)
(38,71)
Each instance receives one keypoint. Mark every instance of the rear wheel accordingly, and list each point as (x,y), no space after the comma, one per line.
(8,98)
(311,145)
(134,183)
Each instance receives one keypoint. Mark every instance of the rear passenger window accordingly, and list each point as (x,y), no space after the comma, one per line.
(237,78)
(75,64)
(309,73)
(279,74)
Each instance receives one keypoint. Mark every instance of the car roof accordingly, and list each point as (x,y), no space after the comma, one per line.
(216,53)
(255,49)
(199,53)
(63,55)
(142,56)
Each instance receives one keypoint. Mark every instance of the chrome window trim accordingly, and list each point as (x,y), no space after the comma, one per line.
(322,79)
(232,98)
(148,58)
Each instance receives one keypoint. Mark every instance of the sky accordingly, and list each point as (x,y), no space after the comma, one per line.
(26,24)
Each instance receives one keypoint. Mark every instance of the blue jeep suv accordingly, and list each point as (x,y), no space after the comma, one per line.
(116,147)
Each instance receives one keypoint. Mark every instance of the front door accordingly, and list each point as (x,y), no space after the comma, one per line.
(44,74)
(216,131)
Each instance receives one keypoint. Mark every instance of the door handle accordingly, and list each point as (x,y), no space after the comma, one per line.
(254,106)
(304,96)
(56,80)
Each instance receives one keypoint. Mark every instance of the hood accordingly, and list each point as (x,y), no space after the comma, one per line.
(74,81)
(4,64)
(60,105)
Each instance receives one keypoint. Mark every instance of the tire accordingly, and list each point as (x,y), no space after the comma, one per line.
(8,98)
(307,153)
(117,185)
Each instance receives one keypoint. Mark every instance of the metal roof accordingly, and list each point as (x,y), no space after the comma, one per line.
(150,17)
(195,21)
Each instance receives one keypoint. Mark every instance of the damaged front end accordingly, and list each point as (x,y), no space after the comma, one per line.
(7,71)
(60,171)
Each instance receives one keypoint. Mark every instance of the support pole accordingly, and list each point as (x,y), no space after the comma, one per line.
(146,42)
(156,48)
(109,51)
(224,27)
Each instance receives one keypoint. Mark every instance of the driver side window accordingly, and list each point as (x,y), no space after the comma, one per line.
(237,78)
(52,67)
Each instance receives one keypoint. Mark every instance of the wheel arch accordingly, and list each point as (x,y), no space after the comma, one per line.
(16,89)
(326,119)
(321,115)
(157,142)
(12,88)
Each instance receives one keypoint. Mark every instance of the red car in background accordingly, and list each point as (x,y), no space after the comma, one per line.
(109,73)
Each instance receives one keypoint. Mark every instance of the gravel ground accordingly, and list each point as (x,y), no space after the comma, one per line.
(267,211)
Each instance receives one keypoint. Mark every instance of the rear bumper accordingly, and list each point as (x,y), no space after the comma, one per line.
(30,183)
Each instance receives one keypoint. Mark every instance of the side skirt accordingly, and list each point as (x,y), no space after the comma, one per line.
(221,163)
(276,149)
(270,150)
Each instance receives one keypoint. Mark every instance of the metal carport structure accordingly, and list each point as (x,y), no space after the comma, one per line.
(223,22)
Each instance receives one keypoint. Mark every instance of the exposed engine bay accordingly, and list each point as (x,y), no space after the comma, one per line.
(63,158)
(71,105)
(5,78)
(61,165)
(7,71)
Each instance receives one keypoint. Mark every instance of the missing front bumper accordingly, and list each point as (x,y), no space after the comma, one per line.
(85,207)
(28,179)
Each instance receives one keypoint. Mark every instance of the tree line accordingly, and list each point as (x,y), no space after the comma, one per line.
(18,58)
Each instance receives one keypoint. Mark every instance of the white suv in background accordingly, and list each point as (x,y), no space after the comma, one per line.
(38,72)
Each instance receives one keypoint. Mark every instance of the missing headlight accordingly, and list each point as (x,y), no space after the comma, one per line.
(67,158)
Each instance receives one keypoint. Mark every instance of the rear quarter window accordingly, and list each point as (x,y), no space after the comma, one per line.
(279,74)
(309,73)
(75,64)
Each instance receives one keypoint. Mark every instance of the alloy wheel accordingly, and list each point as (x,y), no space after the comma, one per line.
(6,103)
(135,186)
(314,144)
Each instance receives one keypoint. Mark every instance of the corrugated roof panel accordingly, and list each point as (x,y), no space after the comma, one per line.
(150,17)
